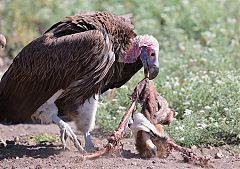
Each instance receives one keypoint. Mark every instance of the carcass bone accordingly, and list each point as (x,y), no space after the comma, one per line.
(114,140)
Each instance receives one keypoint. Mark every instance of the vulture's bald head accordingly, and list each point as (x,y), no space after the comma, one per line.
(2,40)
(145,47)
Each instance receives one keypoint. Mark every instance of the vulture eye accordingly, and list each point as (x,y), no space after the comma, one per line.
(152,54)
(159,106)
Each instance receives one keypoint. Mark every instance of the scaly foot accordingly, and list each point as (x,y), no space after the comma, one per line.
(66,131)
(89,146)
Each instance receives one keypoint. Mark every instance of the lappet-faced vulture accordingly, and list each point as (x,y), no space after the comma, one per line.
(2,40)
(64,71)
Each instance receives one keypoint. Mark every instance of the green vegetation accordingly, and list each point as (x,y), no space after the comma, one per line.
(44,138)
(199,58)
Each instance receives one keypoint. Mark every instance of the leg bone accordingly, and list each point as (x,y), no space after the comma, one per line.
(85,120)
(48,113)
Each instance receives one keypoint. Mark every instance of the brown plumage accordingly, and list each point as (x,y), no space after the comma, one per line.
(63,71)
(82,62)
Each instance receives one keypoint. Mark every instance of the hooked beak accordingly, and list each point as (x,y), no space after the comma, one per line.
(150,64)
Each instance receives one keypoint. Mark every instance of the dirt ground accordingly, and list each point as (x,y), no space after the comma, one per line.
(22,153)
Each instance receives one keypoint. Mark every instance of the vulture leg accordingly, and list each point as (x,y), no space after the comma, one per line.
(89,146)
(48,113)
(66,131)
(86,120)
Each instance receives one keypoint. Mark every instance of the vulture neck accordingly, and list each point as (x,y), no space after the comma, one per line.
(133,52)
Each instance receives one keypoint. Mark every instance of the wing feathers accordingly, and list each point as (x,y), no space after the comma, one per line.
(56,63)
(91,82)
(75,54)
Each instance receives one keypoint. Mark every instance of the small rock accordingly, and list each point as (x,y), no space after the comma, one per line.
(17,158)
(209,147)
(51,157)
(219,155)
(123,159)
(16,139)
(194,147)
(153,162)
(209,157)
(38,167)
(133,163)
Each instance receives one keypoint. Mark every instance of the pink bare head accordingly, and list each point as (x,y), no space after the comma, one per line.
(145,47)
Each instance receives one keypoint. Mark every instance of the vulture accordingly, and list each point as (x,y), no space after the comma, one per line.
(63,72)
(2,45)
(2,40)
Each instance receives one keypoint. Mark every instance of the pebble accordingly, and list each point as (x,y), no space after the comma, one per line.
(38,167)
(219,155)
(51,157)
(16,139)
(209,157)
(194,147)
(133,163)
(209,147)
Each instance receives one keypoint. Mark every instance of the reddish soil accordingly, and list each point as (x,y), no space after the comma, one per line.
(21,152)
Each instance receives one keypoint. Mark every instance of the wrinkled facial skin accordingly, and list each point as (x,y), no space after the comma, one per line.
(149,58)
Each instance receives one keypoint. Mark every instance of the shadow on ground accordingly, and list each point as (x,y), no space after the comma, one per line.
(35,151)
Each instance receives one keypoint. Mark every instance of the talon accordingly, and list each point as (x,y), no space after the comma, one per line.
(63,138)
(66,131)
